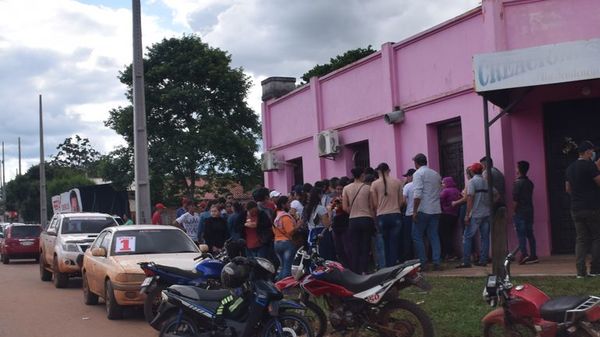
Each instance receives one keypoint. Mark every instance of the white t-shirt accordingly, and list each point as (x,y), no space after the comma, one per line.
(190,223)
(320,210)
(409,195)
(297,205)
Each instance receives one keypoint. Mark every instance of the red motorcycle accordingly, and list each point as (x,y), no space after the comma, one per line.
(361,305)
(527,311)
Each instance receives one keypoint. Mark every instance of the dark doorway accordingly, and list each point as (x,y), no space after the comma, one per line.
(577,120)
(360,154)
(298,173)
(451,151)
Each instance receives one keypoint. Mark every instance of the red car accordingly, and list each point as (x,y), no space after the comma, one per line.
(20,241)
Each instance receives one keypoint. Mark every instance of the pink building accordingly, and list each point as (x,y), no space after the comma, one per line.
(431,91)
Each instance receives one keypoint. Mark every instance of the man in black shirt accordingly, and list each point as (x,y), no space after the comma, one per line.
(583,184)
(523,218)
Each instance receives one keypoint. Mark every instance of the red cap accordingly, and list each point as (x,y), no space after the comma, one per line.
(476,168)
(160,206)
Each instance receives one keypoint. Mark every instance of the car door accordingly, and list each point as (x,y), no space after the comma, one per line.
(49,240)
(91,266)
(103,263)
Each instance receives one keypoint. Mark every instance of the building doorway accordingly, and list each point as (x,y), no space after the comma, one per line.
(577,120)
(451,151)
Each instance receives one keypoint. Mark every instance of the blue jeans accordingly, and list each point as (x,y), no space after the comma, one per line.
(427,224)
(483,224)
(261,251)
(390,229)
(285,251)
(379,246)
(525,233)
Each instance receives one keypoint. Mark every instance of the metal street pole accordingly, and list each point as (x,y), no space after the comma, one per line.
(19,172)
(140,137)
(3,175)
(43,210)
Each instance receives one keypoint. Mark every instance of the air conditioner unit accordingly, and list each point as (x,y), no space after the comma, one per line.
(269,161)
(328,143)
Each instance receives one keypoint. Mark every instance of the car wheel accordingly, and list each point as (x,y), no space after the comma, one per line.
(5,259)
(45,275)
(61,280)
(113,309)
(89,297)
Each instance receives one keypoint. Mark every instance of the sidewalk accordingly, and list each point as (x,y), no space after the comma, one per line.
(557,265)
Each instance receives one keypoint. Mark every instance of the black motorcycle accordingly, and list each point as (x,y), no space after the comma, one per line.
(252,306)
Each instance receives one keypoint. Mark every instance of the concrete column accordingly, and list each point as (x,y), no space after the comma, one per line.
(315,89)
(390,78)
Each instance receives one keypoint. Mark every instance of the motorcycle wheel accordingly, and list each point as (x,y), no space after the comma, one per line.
(315,316)
(292,325)
(398,318)
(184,327)
(152,302)
(515,330)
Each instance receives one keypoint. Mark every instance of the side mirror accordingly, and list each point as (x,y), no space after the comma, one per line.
(203,248)
(99,251)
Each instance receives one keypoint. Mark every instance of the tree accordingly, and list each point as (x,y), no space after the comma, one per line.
(198,121)
(75,152)
(338,62)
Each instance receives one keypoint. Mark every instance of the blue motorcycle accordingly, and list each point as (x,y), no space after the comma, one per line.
(206,275)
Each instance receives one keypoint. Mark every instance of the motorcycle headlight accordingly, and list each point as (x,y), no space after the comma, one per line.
(70,247)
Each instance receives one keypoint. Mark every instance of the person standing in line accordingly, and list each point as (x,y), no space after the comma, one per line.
(498,181)
(343,246)
(215,231)
(234,223)
(408,197)
(523,217)
(283,227)
(426,211)
(386,197)
(189,222)
(449,217)
(356,202)
(583,184)
(462,211)
(257,231)
(159,209)
(316,218)
(477,217)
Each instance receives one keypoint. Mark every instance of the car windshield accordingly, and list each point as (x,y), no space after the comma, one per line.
(25,232)
(152,241)
(86,225)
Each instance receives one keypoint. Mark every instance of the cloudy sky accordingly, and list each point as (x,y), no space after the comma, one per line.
(71,52)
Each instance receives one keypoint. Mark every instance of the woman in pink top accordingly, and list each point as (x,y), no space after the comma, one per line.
(449,217)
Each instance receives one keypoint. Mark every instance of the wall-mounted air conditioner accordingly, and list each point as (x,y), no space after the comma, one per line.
(328,143)
(269,161)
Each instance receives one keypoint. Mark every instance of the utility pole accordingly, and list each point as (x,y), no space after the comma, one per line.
(140,137)
(3,175)
(19,172)
(43,210)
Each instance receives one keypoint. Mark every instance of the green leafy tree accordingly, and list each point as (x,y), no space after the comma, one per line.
(198,121)
(338,62)
(75,152)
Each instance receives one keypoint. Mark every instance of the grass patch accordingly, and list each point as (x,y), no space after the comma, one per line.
(456,305)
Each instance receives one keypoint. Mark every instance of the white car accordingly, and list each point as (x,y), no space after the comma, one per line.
(67,236)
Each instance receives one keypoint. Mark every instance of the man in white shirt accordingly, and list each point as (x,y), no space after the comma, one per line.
(189,221)
(427,184)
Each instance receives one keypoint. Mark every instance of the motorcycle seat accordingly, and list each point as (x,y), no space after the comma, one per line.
(191,274)
(199,294)
(554,310)
(358,283)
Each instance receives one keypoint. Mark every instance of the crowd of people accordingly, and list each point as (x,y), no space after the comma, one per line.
(373,220)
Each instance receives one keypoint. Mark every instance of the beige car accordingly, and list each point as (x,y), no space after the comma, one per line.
(110,266)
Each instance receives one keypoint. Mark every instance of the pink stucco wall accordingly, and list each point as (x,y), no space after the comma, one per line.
(430,76)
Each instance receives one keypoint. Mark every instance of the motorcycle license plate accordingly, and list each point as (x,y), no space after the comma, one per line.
(147,281)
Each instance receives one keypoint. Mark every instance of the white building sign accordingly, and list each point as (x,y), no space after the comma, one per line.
(548,64)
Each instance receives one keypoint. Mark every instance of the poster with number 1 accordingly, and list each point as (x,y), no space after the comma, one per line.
(125,244)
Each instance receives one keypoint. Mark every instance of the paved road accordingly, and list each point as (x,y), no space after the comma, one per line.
(32,308)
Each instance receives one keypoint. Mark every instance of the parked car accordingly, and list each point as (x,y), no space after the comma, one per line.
(19,241)
(68,235)
(110,267)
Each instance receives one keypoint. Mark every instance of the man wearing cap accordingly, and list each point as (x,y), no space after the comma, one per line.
(157,215)
(427,184)
(477,217)
(408,197)
(583,184)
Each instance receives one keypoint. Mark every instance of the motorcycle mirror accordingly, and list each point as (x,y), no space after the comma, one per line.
(203,248)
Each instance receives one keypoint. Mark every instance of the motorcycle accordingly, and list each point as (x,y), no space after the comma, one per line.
(527,311)
(362,304)
(206,274)
(256,308)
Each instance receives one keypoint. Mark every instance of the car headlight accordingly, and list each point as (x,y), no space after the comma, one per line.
(70,247)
